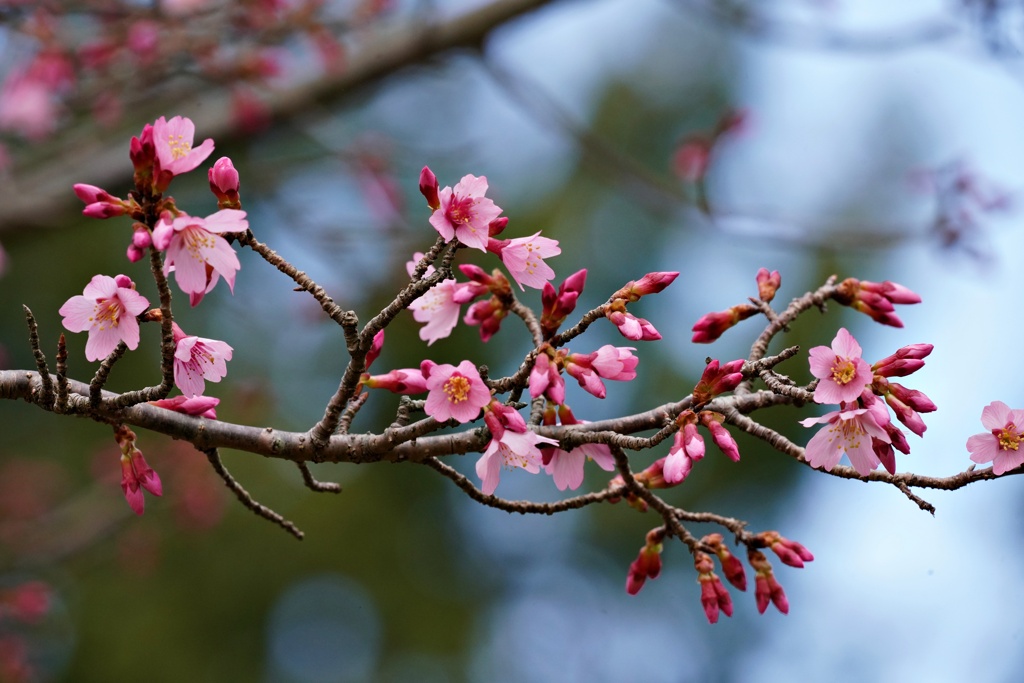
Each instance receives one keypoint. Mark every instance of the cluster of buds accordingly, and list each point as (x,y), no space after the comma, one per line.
(647,564)
(136,474)
(630,326)
(688,445)
(556,306)
(876,299)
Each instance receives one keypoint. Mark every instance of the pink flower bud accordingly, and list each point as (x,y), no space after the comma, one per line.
(717,379)
(902,363)
(647,565)
(768,284)
(495,227)
(876,299)
(652,283)
(711,326)
(224,184)
(720,435)
(375,348)
(429,188)
(202,406)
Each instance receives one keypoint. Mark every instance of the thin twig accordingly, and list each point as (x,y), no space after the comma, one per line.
(40,357)
(314,484)
(247,500)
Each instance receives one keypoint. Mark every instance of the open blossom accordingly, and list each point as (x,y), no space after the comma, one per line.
(1001,444)
(197,252)
(465,212)
(841,371)
(455,392)
(173,142)
(524,258)
(851,432)
(566,467)
(512,446)
(107,309)
(196,360)
(437,308)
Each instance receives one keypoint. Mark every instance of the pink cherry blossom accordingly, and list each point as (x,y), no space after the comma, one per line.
(196,360)
(437,308)
(849,431)
(524,258)
(173,141)
(1001,444)
(465,212)
(456,393)
(107,309)
(566,467)
(224,183)
(841,371)
(512,445)
(197,252)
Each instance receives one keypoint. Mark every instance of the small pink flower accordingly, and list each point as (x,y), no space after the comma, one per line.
(456,392)
(200,406)
(465,212)
(196,360)
(107,309)
(512,445)
(437,308)
(850,431)
(841,371)
(197,252)
(647,564)
(875,299)
(173,141)
(720,435)
(905,361)
(1001,445)
(524,258)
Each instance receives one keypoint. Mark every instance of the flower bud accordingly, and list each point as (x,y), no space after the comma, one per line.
(768,284)
(429,187)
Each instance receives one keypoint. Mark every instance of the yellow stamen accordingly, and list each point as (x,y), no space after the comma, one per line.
(457,389)
(843,371)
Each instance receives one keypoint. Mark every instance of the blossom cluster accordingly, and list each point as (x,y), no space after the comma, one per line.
(194,248)
(198,251)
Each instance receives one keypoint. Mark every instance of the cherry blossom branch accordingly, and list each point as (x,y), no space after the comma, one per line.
(313,484)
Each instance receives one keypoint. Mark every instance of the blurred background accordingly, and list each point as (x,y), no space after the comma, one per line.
(870,139)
